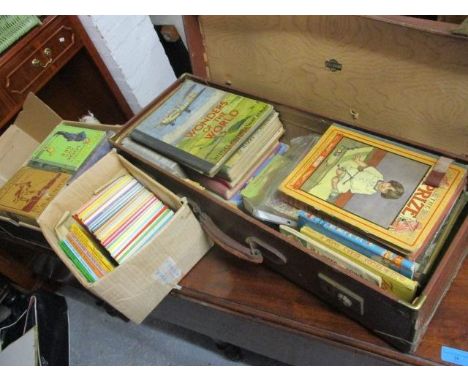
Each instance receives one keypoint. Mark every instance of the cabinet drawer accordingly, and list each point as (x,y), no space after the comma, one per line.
(36,64)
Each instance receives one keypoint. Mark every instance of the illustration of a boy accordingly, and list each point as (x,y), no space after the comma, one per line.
(356,176)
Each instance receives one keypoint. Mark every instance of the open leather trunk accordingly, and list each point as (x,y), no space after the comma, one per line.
(396,77)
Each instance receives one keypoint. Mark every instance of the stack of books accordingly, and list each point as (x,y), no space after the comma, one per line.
(64,154)
(112,227)
(222,137)
(371,202)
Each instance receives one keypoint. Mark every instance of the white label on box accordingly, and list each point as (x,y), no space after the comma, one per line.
(168,273)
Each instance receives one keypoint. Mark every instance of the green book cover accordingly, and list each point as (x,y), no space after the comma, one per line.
(201,126)
(67,148)
(76,261)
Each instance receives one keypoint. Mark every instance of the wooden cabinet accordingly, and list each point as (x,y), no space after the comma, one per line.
(59,63)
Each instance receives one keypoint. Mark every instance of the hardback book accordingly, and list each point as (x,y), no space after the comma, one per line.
(66,148)
(251,149)
(430,256)
(227,191)
(200,126)
(99,152)
(398,284)
(362,245)
(246,165)
(333,256)
(29,192)
(152,156)
(376,187)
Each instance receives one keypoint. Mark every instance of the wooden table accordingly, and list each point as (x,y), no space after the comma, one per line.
(256,309)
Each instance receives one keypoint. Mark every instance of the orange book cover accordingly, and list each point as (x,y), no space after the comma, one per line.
(29,192)
(375,186)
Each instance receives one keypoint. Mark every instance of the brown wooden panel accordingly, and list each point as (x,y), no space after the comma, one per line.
(52,49)
(399,81)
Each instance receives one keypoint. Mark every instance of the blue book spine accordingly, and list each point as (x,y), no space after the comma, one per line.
(375,252)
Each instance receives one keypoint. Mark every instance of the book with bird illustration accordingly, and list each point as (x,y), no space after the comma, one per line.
(66,148)
(29,192)
(201,126)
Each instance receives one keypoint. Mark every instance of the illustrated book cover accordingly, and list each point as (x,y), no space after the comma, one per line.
(29,192)
(376,187)
(66,148)
(201,126)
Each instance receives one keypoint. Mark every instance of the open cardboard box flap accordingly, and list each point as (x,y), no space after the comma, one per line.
(140,283)
(31,127)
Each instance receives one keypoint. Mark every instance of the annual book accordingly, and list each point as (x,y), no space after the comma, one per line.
(375,186)
(201,126)
(29,192)
(66,148)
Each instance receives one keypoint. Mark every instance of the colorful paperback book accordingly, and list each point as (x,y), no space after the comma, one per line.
(29,192)
(84,250)
(376,252)
(123,217)
(67,148)
(201,126)
(77,261)
(335,257)
(375,186)
(393,281)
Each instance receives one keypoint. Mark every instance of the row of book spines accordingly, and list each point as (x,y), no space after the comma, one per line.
(379,254)
(91,260)
(300,205)
(400,285)
(333,256)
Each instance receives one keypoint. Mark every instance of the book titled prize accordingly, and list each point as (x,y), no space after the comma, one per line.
(376,186)
(66,148)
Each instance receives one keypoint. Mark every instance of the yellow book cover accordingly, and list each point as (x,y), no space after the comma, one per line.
(83,237)
(399,285)
(375,186)
(29,192)
(335,257)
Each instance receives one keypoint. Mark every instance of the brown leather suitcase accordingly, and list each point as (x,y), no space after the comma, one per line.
(398,77)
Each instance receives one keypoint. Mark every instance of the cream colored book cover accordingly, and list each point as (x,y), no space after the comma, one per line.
(375,186)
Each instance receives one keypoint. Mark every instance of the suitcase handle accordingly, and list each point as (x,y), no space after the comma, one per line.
(223,240)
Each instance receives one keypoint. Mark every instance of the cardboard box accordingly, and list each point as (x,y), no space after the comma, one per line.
(33,124)
(137,285)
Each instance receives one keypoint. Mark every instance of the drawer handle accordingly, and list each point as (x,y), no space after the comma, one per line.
(37,63)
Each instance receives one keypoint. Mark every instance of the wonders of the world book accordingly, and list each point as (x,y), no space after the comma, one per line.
(201,126)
